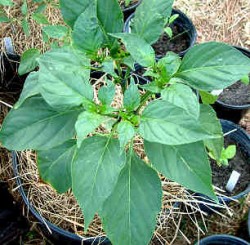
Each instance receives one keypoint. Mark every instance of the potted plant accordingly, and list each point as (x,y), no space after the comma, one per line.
(233,101)
(57,115)
(178,35)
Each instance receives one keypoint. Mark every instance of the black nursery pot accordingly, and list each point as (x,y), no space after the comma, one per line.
(127,11)
(228,111)
(51,231)
(184,26)
(11,83)
(222,240)
(242,139)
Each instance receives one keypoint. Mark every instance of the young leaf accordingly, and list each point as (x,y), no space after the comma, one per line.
(25,27)
(131,98)
(245,79)
(41,8)
(24,8)
(182,96)
(4,17)
(40,18)
(29,61)
(149,20)
(25,128)
(230,152)
(211,125)
(207,98)
(6,3)
(169,65)
(86,123)
(56,31)
(126,132)
(54,165)
(138,186)
(168,31)
(165,123)
(31,88)
(106,93)
(95,171)
(212,66)
(72,9)
(173,18)
(176,163)
(139,49)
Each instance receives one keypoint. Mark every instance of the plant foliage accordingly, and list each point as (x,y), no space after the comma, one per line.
(57,114)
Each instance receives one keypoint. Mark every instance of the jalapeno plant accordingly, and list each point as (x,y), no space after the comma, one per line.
(57,115)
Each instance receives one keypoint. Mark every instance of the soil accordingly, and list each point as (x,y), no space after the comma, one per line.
(178,43)
(240,163)
(236,94)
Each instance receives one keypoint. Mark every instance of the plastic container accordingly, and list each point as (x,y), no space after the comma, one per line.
(229,111)
(51,231)
(130,9)
(222,240)
(243,140)
(183,22)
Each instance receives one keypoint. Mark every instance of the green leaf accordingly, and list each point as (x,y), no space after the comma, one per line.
(173,18)
(64,78)
(31,88)
(184,97)
(29,61)
(169,65)
(87,34)
(211,125)
(168,31)
(126,132)
(109,22)
(129,214)
(106,94)
(36,125)
(25,27)
(3,17)
(229,152)
(6,3)
(207,98)
(150,18)
(95,171)
(245,79)
(55,31)
(212,66)
(131,98)
(71,10)
(64,90)
(165,123)
(139,49)
(24,8)
(54,165)
(152,87)
(176,163)
(40,18)
(86,123)
(41,8)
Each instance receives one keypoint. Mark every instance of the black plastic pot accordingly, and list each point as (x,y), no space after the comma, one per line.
(127,11)
(183,22)
(51,231)
(222,240)
(10,81)
(229,111)
(243,141)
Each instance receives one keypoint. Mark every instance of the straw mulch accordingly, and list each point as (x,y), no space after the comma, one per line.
(225,20)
